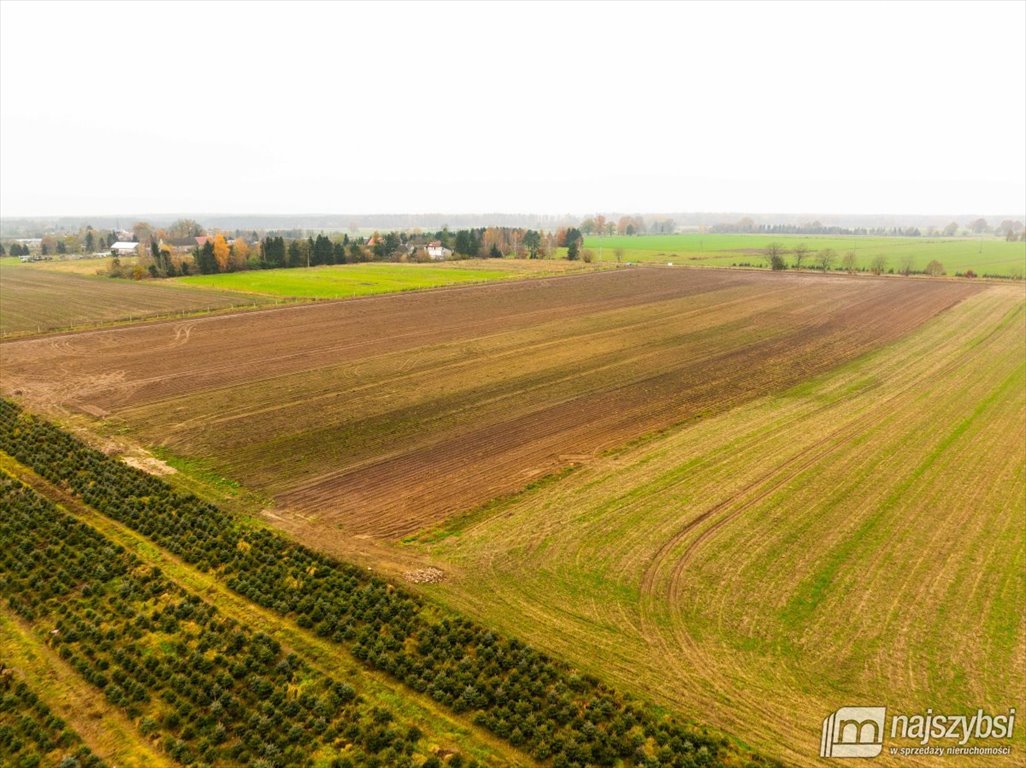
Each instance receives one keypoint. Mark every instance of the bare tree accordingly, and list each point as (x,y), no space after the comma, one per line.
(907,264)
(848,261)
(878,264)
(826,259)
(619,255)
(935,268)
(774,255)
(798,254)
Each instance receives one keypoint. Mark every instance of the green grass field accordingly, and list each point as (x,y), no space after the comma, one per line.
(957,254)
(345,280)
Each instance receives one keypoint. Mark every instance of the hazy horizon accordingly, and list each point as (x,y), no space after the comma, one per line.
(551,109)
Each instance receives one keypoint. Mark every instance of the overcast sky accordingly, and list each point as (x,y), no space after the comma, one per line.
(325,108)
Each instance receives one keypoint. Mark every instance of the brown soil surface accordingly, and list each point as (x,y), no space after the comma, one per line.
(386,415)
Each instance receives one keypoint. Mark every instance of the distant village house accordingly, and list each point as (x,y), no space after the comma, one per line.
(437,252)
(124,248)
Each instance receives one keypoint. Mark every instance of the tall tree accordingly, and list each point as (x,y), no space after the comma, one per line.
(774,255)
(240,253)
(322,252)
(573,243)
(295,254)
(532,241)
(799,254)
(204,258)
(183,228)
(142,231)
(222,254)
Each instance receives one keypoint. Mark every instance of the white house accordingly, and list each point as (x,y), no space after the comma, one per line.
(437,252)
(124,248)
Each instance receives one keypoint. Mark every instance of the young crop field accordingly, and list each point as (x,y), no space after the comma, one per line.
(351,280)
(989,255)
(860,537)
(389,414)
(35,299)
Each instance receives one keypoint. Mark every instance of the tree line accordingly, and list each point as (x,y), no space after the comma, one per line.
(219,254)
(1008,229)
(826,259)
(31,735)
(208,689)
(537,703)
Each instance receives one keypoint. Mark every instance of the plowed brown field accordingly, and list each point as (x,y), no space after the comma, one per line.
(40,298)
(386,415)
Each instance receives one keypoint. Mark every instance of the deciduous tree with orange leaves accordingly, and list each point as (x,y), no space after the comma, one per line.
(240,253)
(222,253)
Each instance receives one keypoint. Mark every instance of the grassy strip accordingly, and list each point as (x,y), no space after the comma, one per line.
(343,281)
(103,729)
(30,733)
(533,702)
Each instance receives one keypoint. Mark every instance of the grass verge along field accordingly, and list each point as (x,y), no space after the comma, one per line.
(857,539)
(386,415)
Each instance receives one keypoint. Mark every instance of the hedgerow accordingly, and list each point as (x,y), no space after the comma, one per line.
(541,705)
(205,689)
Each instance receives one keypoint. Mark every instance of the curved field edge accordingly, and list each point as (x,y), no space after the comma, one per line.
(489,678)
(859,538)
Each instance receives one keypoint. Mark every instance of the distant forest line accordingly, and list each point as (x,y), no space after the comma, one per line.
(37,226)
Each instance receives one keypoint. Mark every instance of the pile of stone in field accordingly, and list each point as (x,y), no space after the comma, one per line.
(425,575)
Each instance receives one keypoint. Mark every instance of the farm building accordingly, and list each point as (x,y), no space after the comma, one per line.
(179,244)
(437,252)
(124,248)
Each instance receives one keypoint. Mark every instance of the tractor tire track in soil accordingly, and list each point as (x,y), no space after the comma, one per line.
(329,407)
